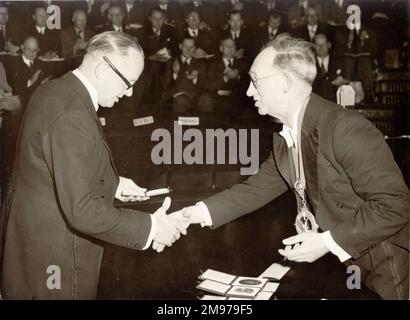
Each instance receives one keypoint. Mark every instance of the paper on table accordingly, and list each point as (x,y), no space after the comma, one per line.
(213,287)
(263,295)
(217,276)
(243,292)
(275,271)
(211,297)
(271,287)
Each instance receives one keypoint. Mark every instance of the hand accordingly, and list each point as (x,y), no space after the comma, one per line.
(168,229)
(50,55)
(203,25)
(35,76)
(199,53)
(176,67)
(231,73)
(127,190)
(193,75)
(338,81)
(239,54)
(308,247)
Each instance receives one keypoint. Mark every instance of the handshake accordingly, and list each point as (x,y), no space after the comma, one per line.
(170,227)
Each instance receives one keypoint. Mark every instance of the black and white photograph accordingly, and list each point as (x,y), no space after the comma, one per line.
(191,150)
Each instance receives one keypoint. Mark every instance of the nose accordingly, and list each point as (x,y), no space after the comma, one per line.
(251,90)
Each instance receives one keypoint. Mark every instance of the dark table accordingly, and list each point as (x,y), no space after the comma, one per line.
(244,247)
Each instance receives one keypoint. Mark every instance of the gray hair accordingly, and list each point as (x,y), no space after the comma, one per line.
(294,55)
(113,42)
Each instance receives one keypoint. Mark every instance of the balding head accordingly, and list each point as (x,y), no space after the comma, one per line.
(80,19)
(126,56)
(30,48)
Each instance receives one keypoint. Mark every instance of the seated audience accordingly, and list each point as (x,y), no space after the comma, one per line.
(74,39)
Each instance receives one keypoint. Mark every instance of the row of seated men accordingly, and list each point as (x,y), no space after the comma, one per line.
(177,68)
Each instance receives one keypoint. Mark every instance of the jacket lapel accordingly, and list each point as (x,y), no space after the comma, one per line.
(283,159)
(310,146)
(85,96)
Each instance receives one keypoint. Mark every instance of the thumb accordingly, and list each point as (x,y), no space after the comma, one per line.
(295,239)
(186,213)
(166,204)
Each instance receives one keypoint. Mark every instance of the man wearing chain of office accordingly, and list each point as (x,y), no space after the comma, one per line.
(351,196)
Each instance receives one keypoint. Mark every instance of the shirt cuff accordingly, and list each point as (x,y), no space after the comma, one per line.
(205,213)
(152,232)
(334,247)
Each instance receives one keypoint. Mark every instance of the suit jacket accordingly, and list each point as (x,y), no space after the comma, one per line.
(303,32)
(215,76)
(173,13)
(60,200)
(151,43)
(20,74)
(263,36)
(356,190)
(332,13)
(322,84)
(68,38)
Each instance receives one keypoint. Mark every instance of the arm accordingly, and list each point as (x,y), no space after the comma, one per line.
(76,171)
(248,196)
(368,162)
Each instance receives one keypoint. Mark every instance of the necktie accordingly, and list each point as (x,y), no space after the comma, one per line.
(322,67)
(80,35)
(230,63)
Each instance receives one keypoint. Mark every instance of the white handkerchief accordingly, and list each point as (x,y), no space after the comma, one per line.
(275,271)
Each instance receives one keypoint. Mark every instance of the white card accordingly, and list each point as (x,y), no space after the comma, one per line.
(142,121)
(102,121)
(236,298)
(217,276)
(213,286)
(275,271)
(210,297)
(271,287)
(188,121)
(243,292)
(250,282)
(263,295)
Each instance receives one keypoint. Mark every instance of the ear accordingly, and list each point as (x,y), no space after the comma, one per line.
(329,45)
(220,48)
(286,82)
(22,48)
(100,70)
(180,46)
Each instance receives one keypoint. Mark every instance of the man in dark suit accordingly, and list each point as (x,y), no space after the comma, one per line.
(48,39)
(226,77)
(275,26)
(187,78)
(25,73)
(59,206)
(312,27)
(330,71)
(172,10)
(210,15)
(239,33)
(160,43)
(74,39)
(204,39)
(351,196)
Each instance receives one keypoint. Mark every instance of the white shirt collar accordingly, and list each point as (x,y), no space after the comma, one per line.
(164,6)
(312,27)
(40,29)
(117,28)
(270,29)
(226,61)
(129,6)
(291,134)
(27,61)
(193,31)
(90,88)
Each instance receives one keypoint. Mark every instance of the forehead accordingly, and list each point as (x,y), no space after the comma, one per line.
(262,64)
(193,15)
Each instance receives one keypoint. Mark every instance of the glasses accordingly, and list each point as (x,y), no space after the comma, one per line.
(129,84)
(255,81)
